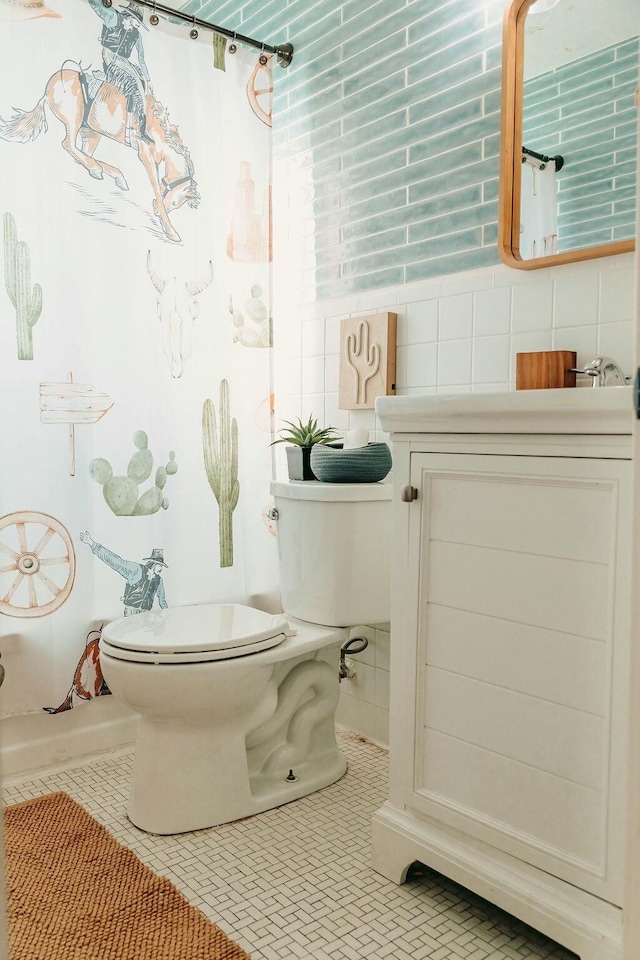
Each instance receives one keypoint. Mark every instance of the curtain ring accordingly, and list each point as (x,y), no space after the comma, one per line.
(232,46)
(193,33)
(263,58)
(154,19)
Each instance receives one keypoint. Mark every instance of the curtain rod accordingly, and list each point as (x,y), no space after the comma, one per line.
(284,51)
(558,160)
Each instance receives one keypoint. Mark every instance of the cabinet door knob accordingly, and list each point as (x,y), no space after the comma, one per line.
(408,493)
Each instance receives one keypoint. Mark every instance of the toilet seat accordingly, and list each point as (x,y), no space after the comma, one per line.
(195,634)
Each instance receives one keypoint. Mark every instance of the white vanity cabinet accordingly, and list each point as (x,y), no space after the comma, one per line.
(510,638)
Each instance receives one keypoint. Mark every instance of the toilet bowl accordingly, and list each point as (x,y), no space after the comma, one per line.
(237,706)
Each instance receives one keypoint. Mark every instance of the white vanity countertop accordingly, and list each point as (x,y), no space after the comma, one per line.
(579,410)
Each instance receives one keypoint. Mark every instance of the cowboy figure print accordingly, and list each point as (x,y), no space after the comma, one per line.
(88,681)
(143,580)
(120,104)
(120,39)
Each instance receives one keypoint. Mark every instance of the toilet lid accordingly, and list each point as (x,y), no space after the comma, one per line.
(203,632)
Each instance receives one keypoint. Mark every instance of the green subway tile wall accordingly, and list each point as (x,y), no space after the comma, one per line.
(390,118)
(584,111)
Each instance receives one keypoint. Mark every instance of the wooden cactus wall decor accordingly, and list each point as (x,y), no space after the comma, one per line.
(367,360)
(26,300)
(220,448)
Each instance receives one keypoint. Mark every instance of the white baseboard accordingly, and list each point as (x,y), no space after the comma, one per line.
(33,741)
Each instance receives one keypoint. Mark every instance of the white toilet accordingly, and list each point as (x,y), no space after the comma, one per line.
(237,707)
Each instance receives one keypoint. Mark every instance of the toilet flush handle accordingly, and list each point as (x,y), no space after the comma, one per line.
(273,514)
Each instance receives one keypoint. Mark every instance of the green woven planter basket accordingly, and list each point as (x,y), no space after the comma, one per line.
(357,465)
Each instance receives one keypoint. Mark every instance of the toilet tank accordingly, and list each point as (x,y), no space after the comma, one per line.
(334,546)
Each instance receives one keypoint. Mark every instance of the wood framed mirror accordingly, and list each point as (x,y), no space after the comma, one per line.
(569,131)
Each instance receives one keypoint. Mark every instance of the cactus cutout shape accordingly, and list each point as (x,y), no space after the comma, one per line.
(121,494)
(362,357)
(221,463)
(256,329)
(26,300)
(219,50)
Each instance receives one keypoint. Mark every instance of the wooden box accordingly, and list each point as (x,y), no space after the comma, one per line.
(545,369)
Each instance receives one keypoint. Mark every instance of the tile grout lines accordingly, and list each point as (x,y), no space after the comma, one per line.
(295,882)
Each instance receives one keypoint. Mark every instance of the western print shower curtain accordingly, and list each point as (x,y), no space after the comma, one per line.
(135,332)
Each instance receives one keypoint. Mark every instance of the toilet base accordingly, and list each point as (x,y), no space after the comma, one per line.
(272,791)
(254,733)
(266,792)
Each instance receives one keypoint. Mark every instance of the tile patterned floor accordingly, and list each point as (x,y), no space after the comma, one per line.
(295,882)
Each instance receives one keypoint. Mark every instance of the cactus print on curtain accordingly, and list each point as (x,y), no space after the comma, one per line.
(25,298)
(135,199)
(220,447)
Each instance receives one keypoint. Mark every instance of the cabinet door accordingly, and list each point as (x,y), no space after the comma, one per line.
(521,634)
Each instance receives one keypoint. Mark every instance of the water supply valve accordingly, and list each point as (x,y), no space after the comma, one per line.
(346,671)
(353,645)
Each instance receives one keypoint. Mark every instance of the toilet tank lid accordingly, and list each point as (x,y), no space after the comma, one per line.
(316,490)
(194,629)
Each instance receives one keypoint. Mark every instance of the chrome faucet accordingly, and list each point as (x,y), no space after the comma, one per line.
(605,372)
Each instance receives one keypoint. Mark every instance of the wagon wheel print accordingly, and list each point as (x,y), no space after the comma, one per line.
(34,543)
(260,90)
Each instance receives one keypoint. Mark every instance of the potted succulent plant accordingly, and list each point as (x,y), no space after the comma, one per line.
(301,437)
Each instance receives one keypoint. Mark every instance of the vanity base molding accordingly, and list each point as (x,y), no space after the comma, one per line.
(574,918)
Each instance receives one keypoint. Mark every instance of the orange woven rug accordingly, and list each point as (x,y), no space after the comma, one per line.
(75,893)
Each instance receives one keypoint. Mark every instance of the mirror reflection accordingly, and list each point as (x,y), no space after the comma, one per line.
(579,125)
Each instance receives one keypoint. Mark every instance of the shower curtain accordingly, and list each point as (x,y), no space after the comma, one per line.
(135,333)
(538,211)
